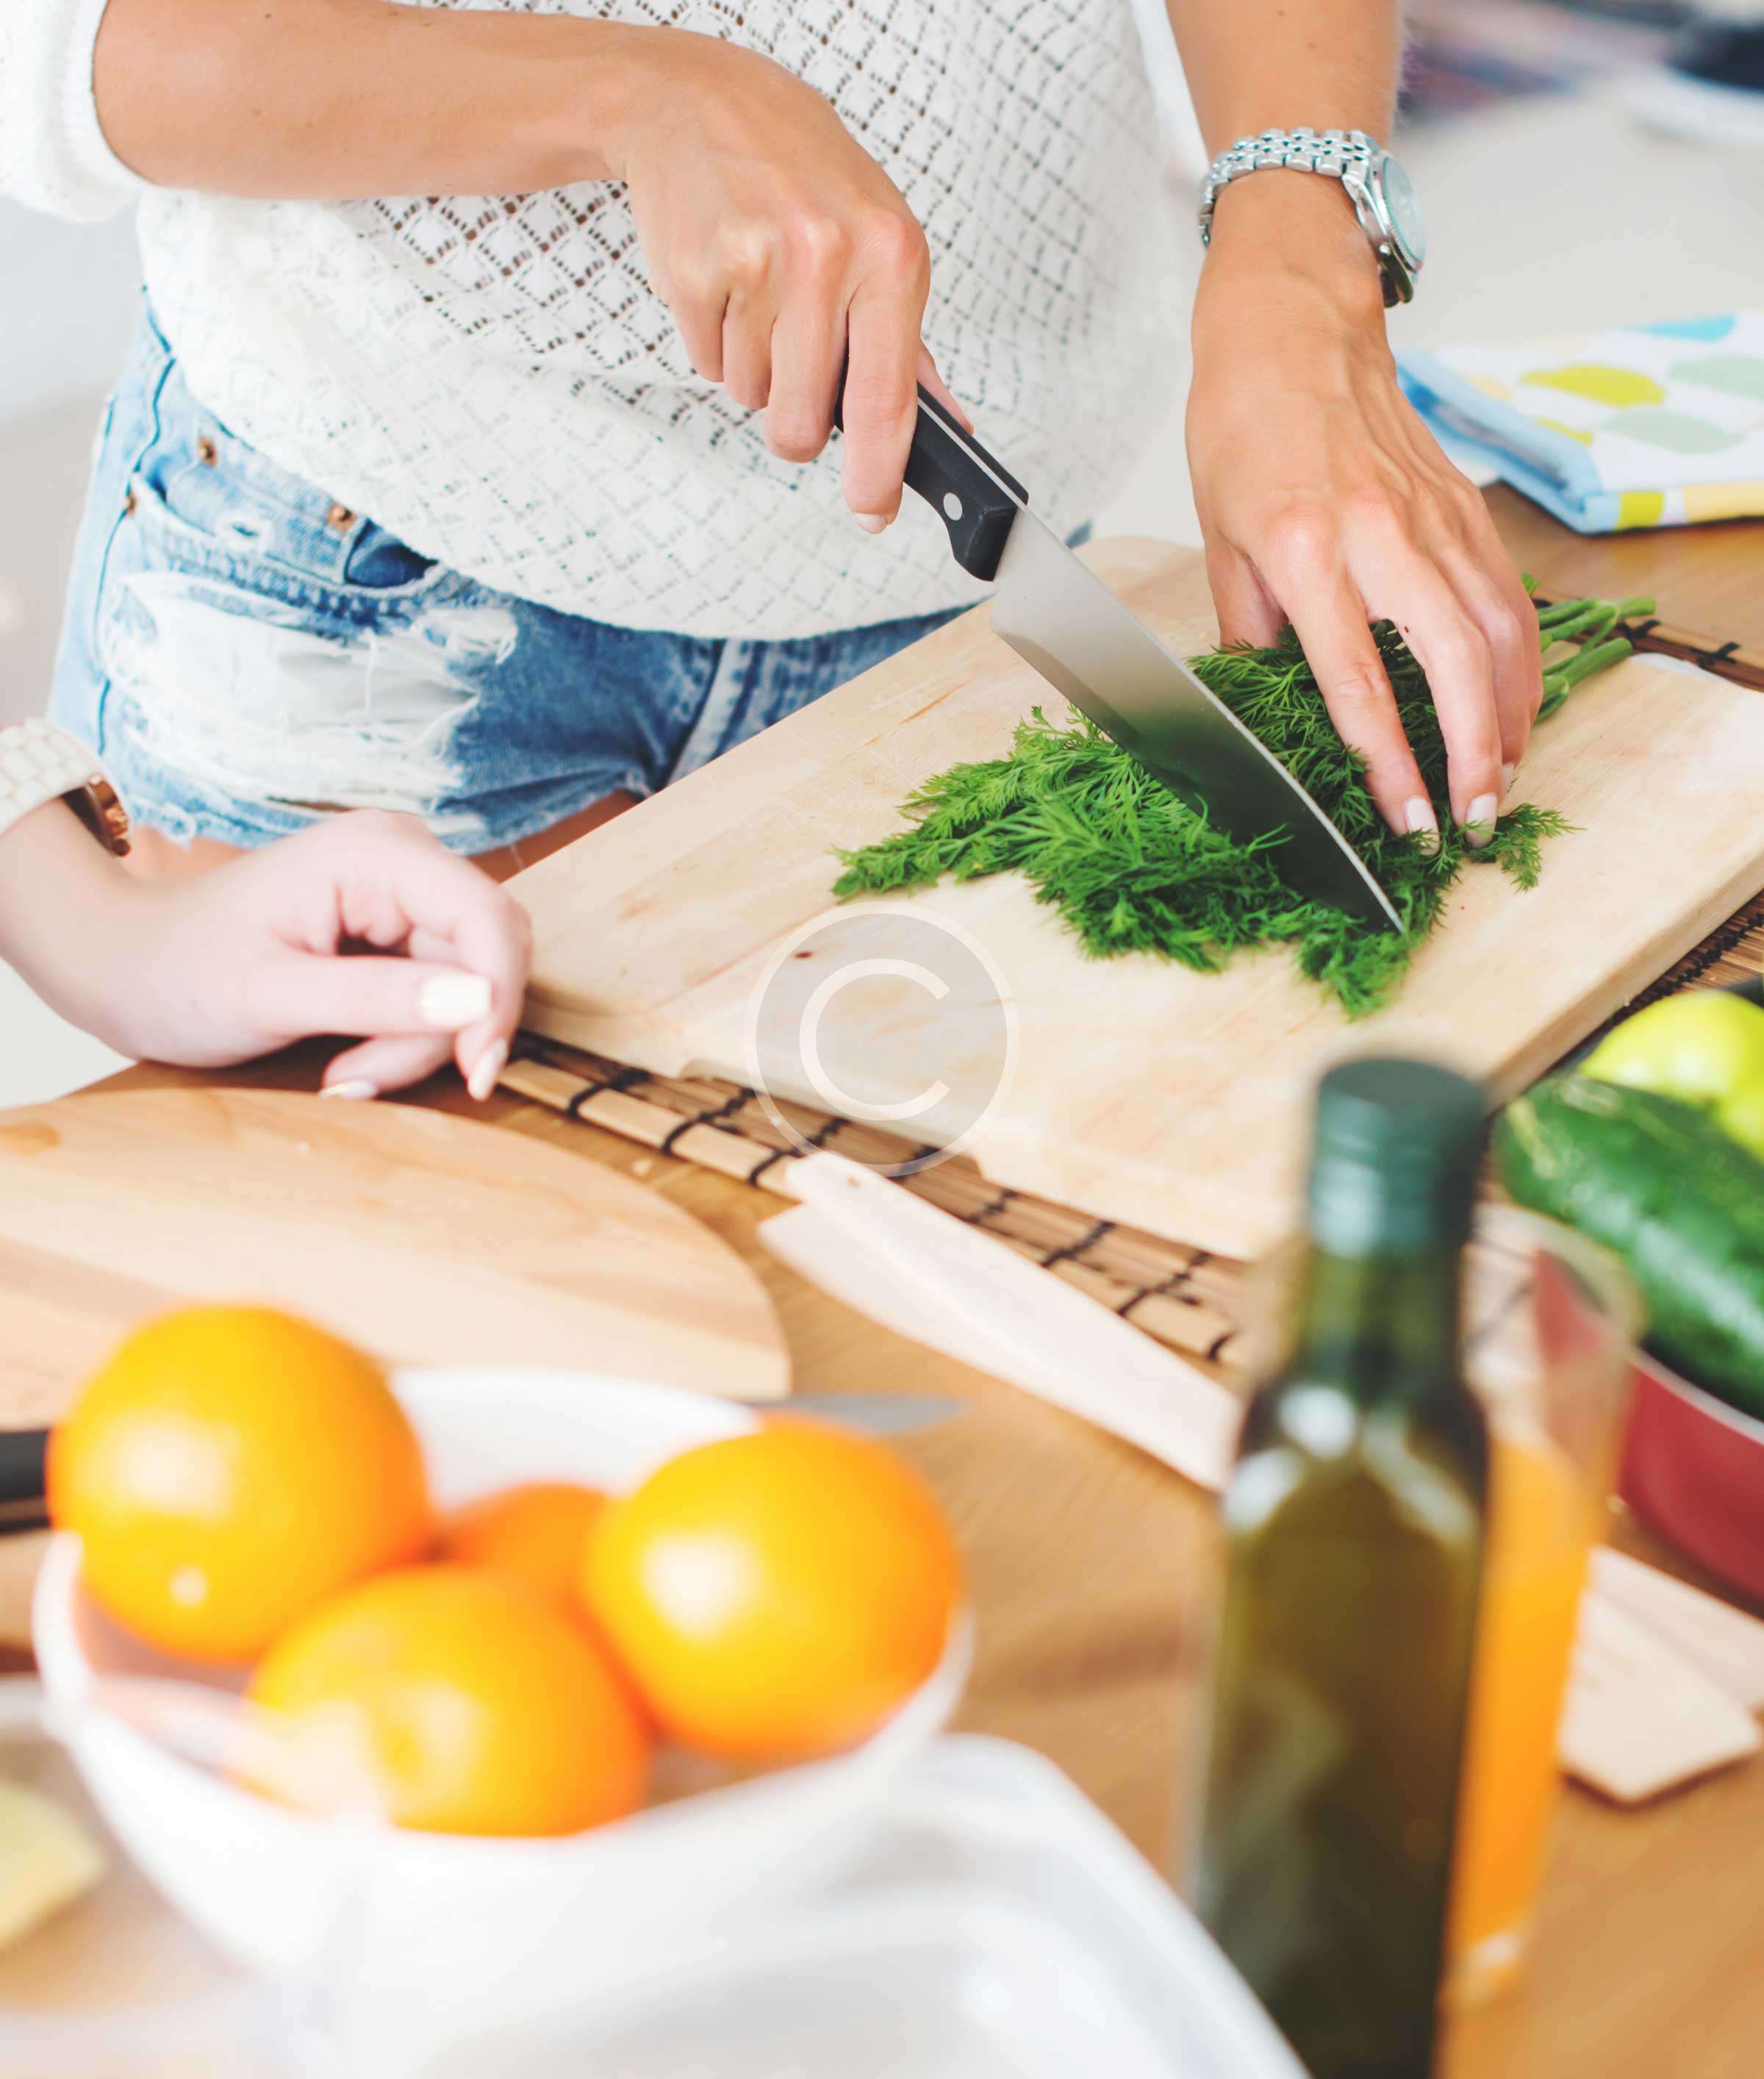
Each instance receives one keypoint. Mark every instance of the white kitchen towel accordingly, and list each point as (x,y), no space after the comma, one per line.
(1651,425)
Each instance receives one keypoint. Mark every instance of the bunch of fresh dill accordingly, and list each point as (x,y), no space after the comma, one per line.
(1131,867)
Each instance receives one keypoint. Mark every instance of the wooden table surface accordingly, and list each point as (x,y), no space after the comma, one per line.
(1710,578)
(1092,1570)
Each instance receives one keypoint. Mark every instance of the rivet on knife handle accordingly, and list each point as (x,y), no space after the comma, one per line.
(972,493)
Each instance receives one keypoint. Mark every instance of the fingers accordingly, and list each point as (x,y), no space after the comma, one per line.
(448,896)
(391,881)
(303,993)
(425,945)
(701,322)
(1454,653)
(881,383)
(1465,544)
(931,377)
(1333,580)
(481,1050)
(807,346)
(746,348)
(1488,587)
(1326,611)
(1246,612)
(804,298)
(381,1065)
(695,294)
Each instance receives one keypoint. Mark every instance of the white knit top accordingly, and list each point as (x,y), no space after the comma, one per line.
(495,382)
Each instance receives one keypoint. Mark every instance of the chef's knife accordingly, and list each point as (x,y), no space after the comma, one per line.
(1061,618)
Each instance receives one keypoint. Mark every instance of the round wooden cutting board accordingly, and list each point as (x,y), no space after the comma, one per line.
(426,1239)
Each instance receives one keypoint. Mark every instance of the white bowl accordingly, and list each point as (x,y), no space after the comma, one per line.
(447,1917)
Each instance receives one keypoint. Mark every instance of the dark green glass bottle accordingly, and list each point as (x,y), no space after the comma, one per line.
(1354,1522)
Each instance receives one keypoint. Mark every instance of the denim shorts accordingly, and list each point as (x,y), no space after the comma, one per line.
(245,653)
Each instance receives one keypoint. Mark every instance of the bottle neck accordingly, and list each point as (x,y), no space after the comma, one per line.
(1383,1327)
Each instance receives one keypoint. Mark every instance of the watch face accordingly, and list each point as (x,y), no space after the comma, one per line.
(1403,212)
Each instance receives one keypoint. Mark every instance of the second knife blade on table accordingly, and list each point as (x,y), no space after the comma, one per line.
(23,1506)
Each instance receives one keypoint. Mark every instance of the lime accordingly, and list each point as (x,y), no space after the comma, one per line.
(1742,1116)
(1704,1048)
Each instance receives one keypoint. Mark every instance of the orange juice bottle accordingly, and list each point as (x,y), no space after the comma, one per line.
(1539,1538)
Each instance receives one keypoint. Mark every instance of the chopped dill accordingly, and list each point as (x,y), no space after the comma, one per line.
(1131,867)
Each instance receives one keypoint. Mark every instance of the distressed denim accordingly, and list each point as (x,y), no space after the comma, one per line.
(244,653)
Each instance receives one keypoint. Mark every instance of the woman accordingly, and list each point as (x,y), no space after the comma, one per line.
(466,460)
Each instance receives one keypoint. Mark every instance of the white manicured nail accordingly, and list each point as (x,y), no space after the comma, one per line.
(1479,824)
(1419,818)
(872,523)
(1508,773)
(486,1069)
(354,1086)
(450,1001)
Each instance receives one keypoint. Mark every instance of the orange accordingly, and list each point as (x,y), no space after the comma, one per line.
(469,1703)
(537,1532)
(775,1594)
(228,1468)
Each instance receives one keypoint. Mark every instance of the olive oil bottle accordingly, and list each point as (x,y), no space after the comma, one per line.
(1354,1522)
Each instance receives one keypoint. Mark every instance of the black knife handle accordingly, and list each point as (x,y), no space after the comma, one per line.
(972,493)
(22,1504)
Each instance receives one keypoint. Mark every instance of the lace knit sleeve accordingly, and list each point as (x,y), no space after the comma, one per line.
(52,151)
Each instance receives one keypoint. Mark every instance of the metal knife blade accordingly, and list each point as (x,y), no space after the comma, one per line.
(1061,618)
(875,1414)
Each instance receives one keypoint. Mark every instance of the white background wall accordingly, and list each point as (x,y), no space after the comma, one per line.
(68,291)
(67,300)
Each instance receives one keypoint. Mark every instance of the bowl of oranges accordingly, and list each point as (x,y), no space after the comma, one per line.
(534,1673)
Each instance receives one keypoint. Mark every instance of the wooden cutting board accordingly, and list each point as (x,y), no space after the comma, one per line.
(1141,1091)
(426,1239)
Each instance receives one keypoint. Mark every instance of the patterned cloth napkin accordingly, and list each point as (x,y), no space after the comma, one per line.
(1645,426)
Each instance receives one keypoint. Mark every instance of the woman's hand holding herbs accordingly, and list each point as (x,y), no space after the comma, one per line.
(361,924)
(1325,502)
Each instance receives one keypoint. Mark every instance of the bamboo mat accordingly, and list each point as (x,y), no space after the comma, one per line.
(1183,1296)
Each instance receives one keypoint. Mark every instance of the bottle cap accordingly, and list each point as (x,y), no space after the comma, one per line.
(1394,1160)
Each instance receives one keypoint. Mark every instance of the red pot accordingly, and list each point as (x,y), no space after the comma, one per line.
(1693,1468)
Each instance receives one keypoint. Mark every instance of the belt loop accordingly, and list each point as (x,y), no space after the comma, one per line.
(326,531)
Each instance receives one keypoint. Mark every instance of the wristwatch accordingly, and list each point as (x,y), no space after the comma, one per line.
(1383,200)
(39,762)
